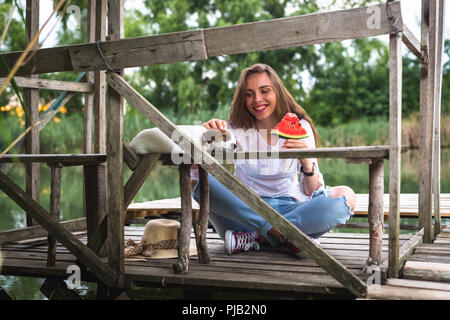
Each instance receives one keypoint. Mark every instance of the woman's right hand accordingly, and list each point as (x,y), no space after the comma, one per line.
(216,124)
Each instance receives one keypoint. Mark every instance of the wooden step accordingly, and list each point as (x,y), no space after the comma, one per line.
(429,271)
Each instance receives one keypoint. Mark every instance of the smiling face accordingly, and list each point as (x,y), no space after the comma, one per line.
(261,99)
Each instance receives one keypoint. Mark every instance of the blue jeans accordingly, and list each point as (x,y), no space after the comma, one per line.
(314,217)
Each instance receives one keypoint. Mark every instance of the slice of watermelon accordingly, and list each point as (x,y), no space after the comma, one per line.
(289,128)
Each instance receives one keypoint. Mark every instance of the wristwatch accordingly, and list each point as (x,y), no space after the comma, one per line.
(308,174)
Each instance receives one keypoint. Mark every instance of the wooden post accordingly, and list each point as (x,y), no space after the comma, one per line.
(88,97)
(114,152)
(427,77)
(437,123)
(55,211)
(95,199)
(376,212)
(395,128)
(184,236)
(200,218)
(100,82)
(32,102)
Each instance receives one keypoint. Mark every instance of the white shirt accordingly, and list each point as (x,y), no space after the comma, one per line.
(272,177)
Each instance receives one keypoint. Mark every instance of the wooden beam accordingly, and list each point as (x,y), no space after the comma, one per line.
(404,252)
(100,83)
(39,232)
(299,239)
(32,145)
(84,254)
(64,159)
(200,44)
(184,235)
(95,199)
(410,40)
(36,83)
(114,151)
(366,152)
(375,212)
(437,123)
(138,178)
(395,135)
(130,158)
(200,218)
(55,210)
(427,90)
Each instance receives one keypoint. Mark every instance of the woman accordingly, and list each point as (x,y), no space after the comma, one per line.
(260,102)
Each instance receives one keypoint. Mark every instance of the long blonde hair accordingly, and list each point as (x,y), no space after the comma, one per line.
(240,117)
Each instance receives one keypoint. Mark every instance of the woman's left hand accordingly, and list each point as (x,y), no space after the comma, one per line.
(306,163)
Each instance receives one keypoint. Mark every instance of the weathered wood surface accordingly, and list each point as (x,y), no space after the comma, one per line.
(395,136)
(401,289)
(408,206)
(272,269)
(335,152)
(63,159)
(55,210)
(36,83)
(200,44)
(375,211)
(114,151)
(430,271)
(95,199)
(12,235)
(405,251)
(138,177)
(410,40)
(427,74)
(437,121)
(299,239)
(86,256)
(182,265)
(31,97)
(200,218)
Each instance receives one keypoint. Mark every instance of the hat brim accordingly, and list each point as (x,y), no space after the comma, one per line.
(165,254)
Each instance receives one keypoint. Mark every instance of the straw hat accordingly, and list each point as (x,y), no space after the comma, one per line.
(159,241)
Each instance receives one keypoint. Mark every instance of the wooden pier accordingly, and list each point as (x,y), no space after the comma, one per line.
(272,271)
(334,268)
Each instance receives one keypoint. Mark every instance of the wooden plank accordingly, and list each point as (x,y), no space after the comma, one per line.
(138,177)
(375,215)
(8,236)
(401,293)
(200,219)
(334,152)
(299,239)
(86,256)
(417,284)
(32,145)
(426,124)
(130,158)
(55,210)
(410,40)
(395,131)
(405,252)
(300,31)
(430,271)
(114,151)
(36,83)
(437,122)
(95,200)
(64,159)
(100,83)
(184,234)
(200,44)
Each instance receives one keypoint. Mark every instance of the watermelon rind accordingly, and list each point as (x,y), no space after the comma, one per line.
(286,136)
